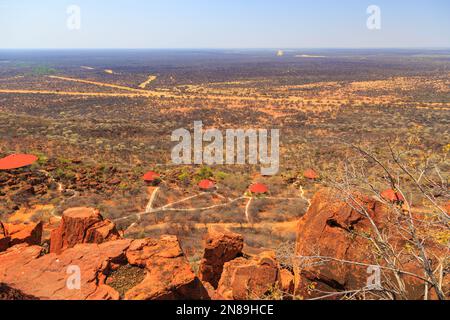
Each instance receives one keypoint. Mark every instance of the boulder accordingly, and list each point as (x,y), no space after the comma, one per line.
(248,279)
(85,244)
(26,272)
(30,233)
(287,282)
(169,275)
(220,247)
(81,225)
(13,234)
(47,277)
(333,253)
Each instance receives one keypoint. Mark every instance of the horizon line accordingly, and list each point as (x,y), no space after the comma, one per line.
(241,48)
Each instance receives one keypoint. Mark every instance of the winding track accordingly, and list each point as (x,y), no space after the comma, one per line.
(141,93)
(137,93)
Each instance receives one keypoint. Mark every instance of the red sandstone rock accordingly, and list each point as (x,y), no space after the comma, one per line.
(220,247)
(287,282)
(392,196)
(244,279)
(24,233)
(169,275)
(13,234)
(212,293)
(333,228)
(325,230)
(81,225)
(87,242)
(46,277)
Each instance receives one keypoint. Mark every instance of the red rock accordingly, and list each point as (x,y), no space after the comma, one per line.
(82,225)
(287,282)
(392,196)
(326,229)
(244,279)
(24,233)
(332,228)
(169,275)
(143,249)
(220,247)
(24,271)
(212,293)
(104,292)
(46,277)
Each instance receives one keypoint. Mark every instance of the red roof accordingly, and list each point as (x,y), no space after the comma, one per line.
(151,176)
(206,184)
(392,196)
(16,161)
(259,188)
(311,174)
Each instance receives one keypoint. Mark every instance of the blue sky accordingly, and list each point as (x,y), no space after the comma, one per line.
(224,24)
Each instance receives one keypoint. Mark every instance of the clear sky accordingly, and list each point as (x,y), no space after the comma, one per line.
(224,24)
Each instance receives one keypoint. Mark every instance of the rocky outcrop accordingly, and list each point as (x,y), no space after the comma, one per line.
(89,261)
(333,253)
(326,230)
(169,275)
(247,279)
(82,272)
(13,234)
(76,274)
(83,264)
(220,247)
(81,225)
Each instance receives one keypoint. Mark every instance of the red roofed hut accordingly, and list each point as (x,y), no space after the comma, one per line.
(258,188)
(392,196)
(152,177)
(311,174)
(207,185)
(16,161)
